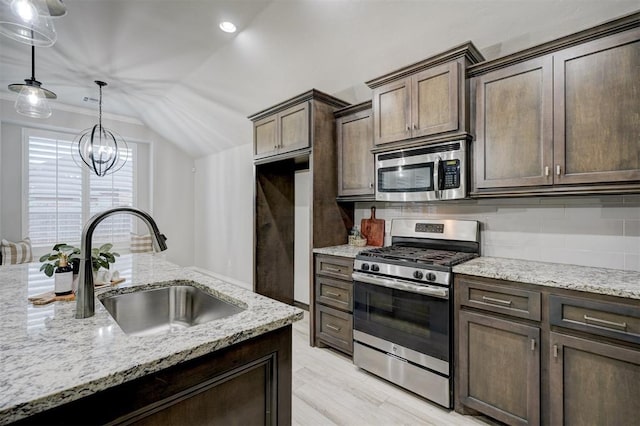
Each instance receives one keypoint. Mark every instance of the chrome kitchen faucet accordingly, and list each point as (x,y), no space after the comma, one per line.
(85,297)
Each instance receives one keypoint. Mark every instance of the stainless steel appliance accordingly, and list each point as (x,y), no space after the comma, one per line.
(434,172)
(403,304)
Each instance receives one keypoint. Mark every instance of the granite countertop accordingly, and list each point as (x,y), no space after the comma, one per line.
(49,358)
(613,282)
(344,250)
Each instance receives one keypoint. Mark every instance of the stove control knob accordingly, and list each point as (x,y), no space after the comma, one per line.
(418,275)
(375,268)
(365,266)
(431,276)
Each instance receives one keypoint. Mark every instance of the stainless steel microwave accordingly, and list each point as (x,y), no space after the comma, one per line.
(434,172)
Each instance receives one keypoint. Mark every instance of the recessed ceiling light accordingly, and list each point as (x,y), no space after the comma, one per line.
(227,27)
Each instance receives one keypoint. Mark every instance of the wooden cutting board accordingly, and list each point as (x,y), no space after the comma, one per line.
(373,229)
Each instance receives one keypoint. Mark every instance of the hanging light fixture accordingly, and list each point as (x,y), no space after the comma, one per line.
(32,98)
(29,21)
(99,148)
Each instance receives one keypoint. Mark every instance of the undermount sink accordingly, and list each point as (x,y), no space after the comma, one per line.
(165,309)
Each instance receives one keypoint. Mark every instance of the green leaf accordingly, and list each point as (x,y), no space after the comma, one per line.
(49,270)
(105,247)
(44,258)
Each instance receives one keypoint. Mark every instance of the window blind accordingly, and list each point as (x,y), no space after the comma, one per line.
(61,196)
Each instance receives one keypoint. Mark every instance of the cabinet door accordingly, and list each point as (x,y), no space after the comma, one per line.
(294,128)
(391,109)
(597,113)
(513,124)
(499,368)
(434,100)
(355,160)
(593,383)
(265,136)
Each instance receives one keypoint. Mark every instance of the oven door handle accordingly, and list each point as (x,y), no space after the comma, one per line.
(427,290)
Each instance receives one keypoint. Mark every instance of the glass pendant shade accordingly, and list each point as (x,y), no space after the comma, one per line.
(29,21)
(32,102)
(99,148)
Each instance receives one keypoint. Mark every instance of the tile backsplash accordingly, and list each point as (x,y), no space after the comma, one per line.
(592,231)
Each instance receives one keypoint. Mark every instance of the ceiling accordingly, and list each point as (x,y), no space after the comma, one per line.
(169,66)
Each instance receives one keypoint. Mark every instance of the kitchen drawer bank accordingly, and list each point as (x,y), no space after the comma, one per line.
(543,343)
(50,360)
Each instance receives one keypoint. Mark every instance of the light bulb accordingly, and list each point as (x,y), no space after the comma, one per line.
(227,27)
(32,102)
(24,9)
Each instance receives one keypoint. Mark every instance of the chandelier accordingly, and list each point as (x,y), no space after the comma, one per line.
(99,148)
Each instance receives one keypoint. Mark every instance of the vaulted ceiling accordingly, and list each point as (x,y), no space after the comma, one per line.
(168,64)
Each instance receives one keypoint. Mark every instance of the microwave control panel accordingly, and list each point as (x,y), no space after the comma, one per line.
(451,172)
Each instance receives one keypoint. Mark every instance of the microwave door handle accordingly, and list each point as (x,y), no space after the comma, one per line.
(437,177)
(397,284)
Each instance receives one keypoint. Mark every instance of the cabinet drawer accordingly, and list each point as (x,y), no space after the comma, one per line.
(504,300)
(334,266)
(608,319)
(334,293)
(335,328)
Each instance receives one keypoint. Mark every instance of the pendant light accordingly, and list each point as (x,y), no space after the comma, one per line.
(29,21)
(99,148)
(32,98)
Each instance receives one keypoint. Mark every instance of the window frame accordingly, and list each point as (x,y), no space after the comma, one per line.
(27,133)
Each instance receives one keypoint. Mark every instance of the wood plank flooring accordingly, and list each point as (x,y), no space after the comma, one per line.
(329,390)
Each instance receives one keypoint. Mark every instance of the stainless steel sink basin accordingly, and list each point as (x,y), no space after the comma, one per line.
(165,309)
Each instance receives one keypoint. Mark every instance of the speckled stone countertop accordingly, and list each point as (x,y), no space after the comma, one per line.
(48,358)
(613,282)
(344,250)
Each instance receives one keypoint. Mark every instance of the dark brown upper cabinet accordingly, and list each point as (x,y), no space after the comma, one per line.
(354,136)
(423,101)
(286,127)
(560,118)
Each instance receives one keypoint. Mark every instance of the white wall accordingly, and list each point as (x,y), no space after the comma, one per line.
(171,201)
(224,213)
(591,231)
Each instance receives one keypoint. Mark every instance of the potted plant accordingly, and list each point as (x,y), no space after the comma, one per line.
(101,257)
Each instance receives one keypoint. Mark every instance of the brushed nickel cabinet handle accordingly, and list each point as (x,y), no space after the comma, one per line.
(370,184)
(415,127)
(332,294)
(546,170)
(533,344)
(555,351)
(496,301)
(333,327)
(328,268)
(604,323)
(408,128)
(558,169)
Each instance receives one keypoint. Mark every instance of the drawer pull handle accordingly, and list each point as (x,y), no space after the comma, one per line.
(604,323)
(333,327)
(332,294)
(555,351)
(496,301)
(329,268)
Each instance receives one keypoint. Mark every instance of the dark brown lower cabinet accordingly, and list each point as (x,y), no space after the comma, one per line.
(245,384)
(593,383)
(499,368)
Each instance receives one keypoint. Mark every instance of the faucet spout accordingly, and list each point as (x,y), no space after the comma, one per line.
(85,296)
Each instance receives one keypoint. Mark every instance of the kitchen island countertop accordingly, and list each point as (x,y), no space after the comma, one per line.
(49,358)
(613,282)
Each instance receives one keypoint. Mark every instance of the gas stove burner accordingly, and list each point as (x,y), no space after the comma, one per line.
(418,255)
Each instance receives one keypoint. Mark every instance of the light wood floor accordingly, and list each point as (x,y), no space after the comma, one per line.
(329,390)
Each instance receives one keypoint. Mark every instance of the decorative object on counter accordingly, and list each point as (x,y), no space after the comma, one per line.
(32,97)
(100,149)
(373,229)
(29,21)
(101,257)
(16,252)
(63,277)
(50,297)
(356,239)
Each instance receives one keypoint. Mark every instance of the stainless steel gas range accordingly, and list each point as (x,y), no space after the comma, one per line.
(403,304)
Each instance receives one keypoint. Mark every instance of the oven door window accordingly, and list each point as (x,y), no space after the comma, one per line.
(408,178)
(412,320)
